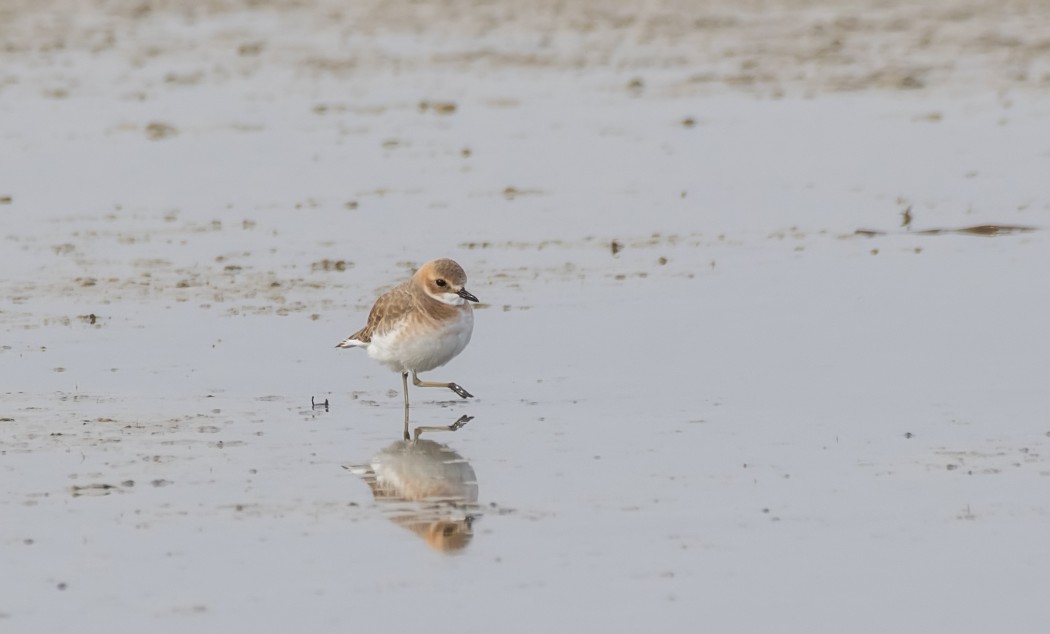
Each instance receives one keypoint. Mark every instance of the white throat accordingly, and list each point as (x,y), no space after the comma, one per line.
(450,298)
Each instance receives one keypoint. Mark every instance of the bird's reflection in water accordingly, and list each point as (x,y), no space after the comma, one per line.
(431,489)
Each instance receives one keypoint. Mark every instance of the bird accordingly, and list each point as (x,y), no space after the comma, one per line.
(420,324)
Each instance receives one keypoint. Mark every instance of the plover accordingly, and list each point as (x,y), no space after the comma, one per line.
(419,325)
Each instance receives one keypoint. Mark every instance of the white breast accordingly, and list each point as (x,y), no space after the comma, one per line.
(419,346)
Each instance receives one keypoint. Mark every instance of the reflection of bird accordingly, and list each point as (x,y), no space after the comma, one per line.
(439,484)
(420,324)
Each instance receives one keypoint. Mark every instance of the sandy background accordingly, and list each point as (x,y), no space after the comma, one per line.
(742,362)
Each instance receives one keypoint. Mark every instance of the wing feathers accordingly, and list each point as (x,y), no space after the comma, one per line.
(386,313)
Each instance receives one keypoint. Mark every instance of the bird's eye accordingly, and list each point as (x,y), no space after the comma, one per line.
(441,283)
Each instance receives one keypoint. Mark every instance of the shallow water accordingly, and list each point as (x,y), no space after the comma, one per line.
(702,396)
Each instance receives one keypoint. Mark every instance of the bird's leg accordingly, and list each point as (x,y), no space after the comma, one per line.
(404,386)
(452,386)
(463,420)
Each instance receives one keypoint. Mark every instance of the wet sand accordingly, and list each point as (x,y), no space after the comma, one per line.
(762,342)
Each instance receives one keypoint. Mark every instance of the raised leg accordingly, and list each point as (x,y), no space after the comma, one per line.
(463,420)
(452,386)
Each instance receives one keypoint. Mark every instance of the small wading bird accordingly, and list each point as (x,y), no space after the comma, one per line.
(419,325)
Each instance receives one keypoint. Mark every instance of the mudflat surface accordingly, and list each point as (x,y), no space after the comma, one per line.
(762,346)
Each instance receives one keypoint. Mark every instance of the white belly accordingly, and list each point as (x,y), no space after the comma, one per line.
(419,346)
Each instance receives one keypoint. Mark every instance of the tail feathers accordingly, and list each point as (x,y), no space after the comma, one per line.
(350,342)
